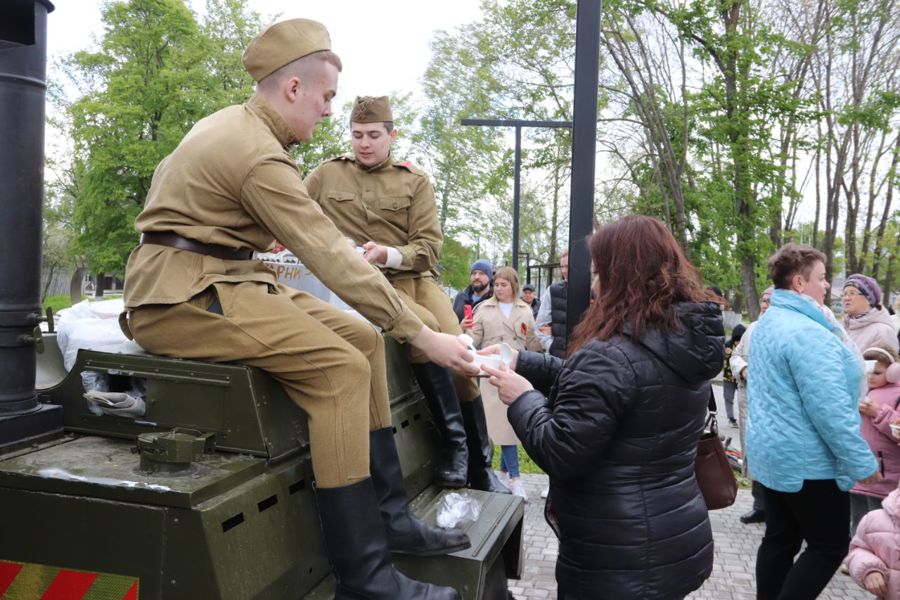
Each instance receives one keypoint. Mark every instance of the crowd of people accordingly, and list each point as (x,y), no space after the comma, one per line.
(817,433)
(612,415)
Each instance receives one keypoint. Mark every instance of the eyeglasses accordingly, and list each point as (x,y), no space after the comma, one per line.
(850,294)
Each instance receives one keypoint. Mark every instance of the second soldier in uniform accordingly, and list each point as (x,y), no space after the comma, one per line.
(388,208)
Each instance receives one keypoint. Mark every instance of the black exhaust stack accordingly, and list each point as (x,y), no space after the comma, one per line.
(23,66)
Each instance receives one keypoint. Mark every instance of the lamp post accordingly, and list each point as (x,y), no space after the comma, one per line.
(584,156)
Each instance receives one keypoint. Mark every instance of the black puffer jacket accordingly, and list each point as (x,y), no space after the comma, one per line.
(618,437)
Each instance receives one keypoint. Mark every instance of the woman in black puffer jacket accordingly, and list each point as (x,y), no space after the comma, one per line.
(618,430)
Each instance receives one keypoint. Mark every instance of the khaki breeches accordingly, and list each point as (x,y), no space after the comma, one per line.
(330,363)
(433,306)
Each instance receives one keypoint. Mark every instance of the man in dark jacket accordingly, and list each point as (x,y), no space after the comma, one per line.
(550,322)
(478,290)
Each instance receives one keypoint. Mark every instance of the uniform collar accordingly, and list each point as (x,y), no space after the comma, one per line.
(273,120)
(389,161)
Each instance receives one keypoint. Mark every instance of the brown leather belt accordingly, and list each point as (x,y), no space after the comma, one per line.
(173,240)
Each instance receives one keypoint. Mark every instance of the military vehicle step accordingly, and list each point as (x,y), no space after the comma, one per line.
(479,572)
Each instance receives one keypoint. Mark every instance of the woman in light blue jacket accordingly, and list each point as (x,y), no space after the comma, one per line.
(803,440)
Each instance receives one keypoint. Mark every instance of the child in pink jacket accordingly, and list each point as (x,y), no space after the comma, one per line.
(880,408)
(874,558)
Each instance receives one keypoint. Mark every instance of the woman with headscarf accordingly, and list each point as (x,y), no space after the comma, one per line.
(616,424)
(867,322)
(738,364)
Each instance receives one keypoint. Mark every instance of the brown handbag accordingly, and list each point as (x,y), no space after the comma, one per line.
(712,469)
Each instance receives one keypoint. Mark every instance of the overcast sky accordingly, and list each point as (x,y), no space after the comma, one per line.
(383,45)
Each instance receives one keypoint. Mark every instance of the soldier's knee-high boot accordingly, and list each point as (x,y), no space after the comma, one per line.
(438,388)
(481,473)
(406,532)
(357,547)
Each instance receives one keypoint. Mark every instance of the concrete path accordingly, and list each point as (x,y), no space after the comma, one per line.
(733,572)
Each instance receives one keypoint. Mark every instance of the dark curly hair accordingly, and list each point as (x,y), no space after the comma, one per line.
(790,260)
(641,274)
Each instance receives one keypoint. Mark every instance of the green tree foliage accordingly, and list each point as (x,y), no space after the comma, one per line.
(526,76)
(148,87)
(158,69)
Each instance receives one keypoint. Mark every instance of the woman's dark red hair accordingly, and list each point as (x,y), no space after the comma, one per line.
(641,274)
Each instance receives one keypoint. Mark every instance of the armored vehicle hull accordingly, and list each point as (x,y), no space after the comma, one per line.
(238,520)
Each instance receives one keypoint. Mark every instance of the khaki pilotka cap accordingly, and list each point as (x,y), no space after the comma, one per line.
(371,109)
(282,43)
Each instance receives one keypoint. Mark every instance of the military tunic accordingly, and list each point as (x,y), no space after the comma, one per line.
(231,182)
(393,204)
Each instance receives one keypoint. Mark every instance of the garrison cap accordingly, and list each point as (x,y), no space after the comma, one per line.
(282,43)
(371,109)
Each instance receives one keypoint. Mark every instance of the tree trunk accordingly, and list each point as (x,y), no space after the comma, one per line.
(75,283)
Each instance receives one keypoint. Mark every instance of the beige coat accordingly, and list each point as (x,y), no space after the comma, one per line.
(490,327)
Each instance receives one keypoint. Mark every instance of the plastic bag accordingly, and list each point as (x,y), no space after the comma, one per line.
(101,401)
(93,326)
(456,508)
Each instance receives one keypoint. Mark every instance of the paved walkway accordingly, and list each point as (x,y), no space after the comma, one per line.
(733,571)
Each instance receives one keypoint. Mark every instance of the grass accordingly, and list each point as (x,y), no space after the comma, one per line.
(58,302)
(526,465)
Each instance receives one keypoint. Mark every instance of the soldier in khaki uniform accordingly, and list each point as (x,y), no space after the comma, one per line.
(388,208)
(193,291)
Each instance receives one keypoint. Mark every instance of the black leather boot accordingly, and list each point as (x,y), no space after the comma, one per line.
(406,532)
(437,386)
(481,473)
(357,547)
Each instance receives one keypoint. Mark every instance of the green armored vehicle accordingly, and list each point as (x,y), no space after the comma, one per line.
(208,492)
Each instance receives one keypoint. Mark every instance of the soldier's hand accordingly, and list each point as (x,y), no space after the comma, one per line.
(375,253)
(495,349)
(445,350)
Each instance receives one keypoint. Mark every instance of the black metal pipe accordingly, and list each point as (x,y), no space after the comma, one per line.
(23,63)
(518,124)
(584,147)
(517,198)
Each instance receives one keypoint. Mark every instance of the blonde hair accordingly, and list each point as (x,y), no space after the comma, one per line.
(303,68)
(510,275)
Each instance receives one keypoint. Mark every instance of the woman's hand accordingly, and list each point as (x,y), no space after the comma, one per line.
(876,584)
(510,385)
(495,349)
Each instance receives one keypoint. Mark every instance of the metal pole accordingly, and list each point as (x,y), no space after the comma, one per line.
(518,124)
(516,199)
(584,137)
